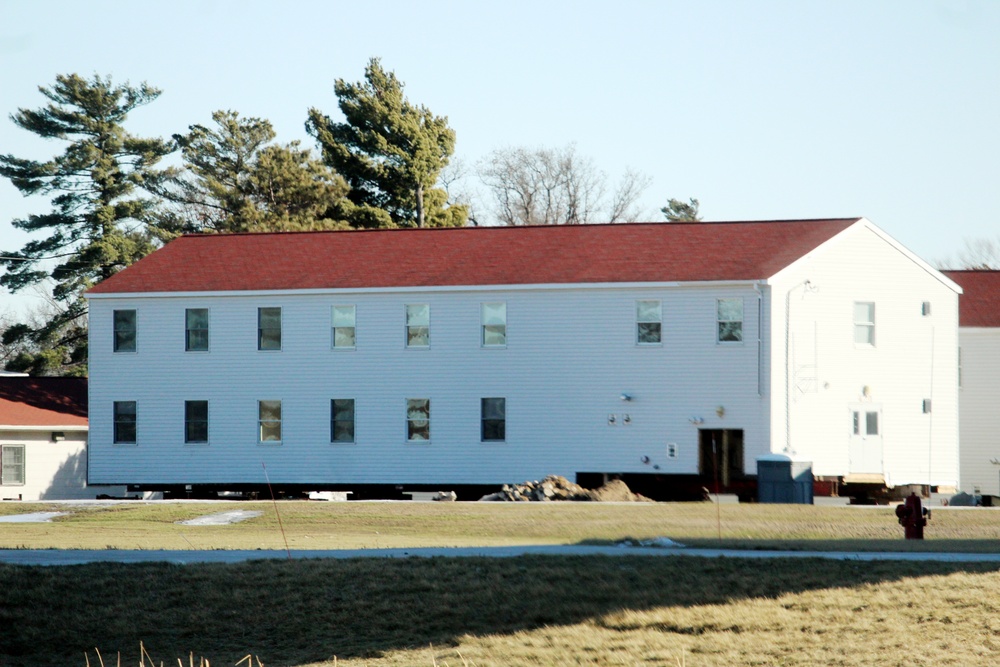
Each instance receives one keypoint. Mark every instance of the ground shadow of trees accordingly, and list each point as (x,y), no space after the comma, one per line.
(293,612)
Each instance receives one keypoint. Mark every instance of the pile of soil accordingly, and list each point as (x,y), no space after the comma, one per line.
(555,487)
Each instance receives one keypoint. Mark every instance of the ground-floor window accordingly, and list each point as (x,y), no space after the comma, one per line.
(342,420)
(12,465)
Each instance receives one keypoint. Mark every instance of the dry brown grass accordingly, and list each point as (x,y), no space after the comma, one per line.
(380,525)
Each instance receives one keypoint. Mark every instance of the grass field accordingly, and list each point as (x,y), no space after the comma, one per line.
(537,610)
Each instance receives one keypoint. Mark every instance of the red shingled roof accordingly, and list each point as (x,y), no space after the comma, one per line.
(650,252)
(43,401)
(979,304)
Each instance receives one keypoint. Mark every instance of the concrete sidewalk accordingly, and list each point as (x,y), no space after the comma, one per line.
(80,556)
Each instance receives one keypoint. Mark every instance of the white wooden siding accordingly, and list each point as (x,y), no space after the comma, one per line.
(570,354)
(914,358)
(980,416)
(53,470)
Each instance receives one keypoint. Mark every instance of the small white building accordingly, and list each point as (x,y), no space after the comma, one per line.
(43,439)
(670,353)
(979,387)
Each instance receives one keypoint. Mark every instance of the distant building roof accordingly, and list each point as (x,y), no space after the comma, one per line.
(564,254)
(979,305)
(43,401)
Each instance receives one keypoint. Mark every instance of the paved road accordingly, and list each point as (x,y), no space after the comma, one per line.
(79,556)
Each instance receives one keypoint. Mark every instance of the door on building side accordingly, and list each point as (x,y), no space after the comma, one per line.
(720,457)
(865,449)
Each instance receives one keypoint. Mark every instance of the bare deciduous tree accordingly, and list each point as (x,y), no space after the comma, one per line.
(544,186)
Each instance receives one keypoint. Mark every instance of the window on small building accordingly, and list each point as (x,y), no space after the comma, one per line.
(730,320)
(195,421)
(864,323)
(196,329)
(342,420)
(269,328)
(418,325)
(125,329)
(12,465)
(494,324)
(418,419)
(125,423)
(269,421)
(343,327)
(649,322)
(493,415)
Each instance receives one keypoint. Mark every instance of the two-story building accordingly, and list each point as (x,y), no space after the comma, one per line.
(667,353)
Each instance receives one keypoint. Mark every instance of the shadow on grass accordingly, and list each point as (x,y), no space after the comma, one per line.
(293,612)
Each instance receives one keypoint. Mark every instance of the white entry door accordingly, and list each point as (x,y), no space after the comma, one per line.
(865,450)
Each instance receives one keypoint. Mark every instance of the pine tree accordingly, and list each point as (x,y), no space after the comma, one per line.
(678,211)
(97,225)
(389,151)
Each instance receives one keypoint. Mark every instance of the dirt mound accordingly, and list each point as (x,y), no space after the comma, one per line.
(555,487)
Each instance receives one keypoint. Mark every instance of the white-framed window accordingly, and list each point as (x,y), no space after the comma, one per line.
(124,422)
(196,329)
(269,328)
(125,330)
(343,327)
(729,316)
(269,422)
(864,422)
(494,324)
(648,322)
(864,323)
(12,465)
(418,420)
(196,422)
(493,419)
(418,325)
(342,420)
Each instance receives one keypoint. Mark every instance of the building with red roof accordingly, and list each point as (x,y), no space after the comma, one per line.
(979,359)
(671,354)
(43,439)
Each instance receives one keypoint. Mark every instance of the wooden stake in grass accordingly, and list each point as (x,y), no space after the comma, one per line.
(280,526)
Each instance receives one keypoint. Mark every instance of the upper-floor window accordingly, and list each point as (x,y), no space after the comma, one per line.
(418,419)
(864,322)
(124,422)
(269,421)
(124,330)
(195,421)
(269,328)
(649,322)
(343,326)
(196,329)
(494,324)
(342,420)
(12,465)
(729,313)
(493,419)
(418,325)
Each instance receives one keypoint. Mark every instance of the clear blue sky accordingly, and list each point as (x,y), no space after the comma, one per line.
(762,110)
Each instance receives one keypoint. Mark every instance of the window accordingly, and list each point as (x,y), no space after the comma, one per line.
(493,414)
(12,465)
(730,318)
(195,421)
(269,421)
(649,322)
(864,323)
(418,325)
(418,419)
(494,317)
(124,423)
(343,327)
(124,331)
(269,328)
(196,329)
(342,420)
(869,423)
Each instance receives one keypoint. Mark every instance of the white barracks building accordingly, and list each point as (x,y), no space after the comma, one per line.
(665,353)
